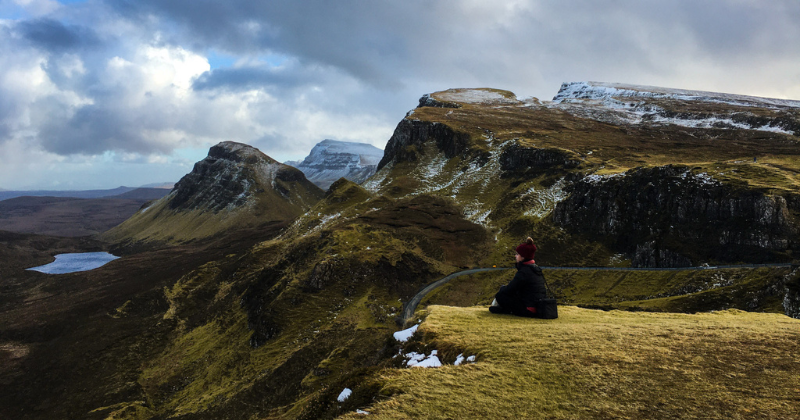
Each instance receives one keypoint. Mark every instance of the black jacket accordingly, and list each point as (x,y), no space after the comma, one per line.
(527,284)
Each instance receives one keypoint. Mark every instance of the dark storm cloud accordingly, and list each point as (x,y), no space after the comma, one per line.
(385,43)
(55,37)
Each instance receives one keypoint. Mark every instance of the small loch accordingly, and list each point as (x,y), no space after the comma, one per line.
(72,263)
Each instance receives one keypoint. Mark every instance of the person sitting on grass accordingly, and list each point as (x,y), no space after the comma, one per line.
(520,296)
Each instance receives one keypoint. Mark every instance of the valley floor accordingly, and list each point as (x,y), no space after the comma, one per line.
(599,364)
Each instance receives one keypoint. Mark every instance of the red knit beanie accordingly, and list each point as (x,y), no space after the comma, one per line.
(527,250)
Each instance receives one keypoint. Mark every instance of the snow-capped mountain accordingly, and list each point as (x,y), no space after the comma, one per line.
(617,103)
(330,160)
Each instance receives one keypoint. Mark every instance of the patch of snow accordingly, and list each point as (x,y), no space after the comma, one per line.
(600,90)
(344,395)
(473,96)
(430,361)
(362,412)
(714,122)
(423,361)
(600,179)
(459,359)
(75,262)
(414,358)
(404,335)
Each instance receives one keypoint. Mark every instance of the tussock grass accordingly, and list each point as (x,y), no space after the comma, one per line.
(595,364)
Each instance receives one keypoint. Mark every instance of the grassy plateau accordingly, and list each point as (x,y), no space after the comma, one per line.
(596,364)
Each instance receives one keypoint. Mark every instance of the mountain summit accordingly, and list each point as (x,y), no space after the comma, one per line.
(330,160)
(235,186)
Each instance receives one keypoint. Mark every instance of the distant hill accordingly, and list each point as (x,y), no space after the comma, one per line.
(143,194)
(330,160)
(5,194)
(236,186)
(66,216)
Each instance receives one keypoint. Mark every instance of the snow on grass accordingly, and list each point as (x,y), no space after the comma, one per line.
(460,359)
(615,103)
(544,201)
(473,96)
(600,90)
(716,122)
(373,184)
(404,335)
(73,263)
(344,395)
(435,178)
(423,361)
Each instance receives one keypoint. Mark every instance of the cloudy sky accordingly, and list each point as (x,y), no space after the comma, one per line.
(103,93)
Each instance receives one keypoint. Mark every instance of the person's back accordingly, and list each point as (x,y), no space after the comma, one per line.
(532,289)
(521,295)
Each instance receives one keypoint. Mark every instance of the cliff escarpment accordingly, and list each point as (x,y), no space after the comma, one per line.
(671,217)
(406,144)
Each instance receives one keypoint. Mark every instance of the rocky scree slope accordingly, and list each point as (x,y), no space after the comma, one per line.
(330,160)
(236,186)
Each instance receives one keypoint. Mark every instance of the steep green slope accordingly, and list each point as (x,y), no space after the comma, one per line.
(281,329)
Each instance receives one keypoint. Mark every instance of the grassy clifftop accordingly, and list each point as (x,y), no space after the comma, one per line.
(595,364)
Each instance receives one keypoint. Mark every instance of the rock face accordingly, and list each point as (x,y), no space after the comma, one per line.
(330,160)
(667,216)
(409,135)
(230,177)
(791,301)
(521,161)
(234,187)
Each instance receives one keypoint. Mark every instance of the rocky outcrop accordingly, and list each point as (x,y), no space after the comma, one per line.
(669,217)
(520,160)
(228,177)
(427,100)
(407,141)
(791,301)
(235,187)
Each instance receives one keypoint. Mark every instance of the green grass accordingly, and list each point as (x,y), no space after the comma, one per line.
(595,364)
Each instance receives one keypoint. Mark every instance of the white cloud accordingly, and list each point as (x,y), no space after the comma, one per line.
(132,80)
